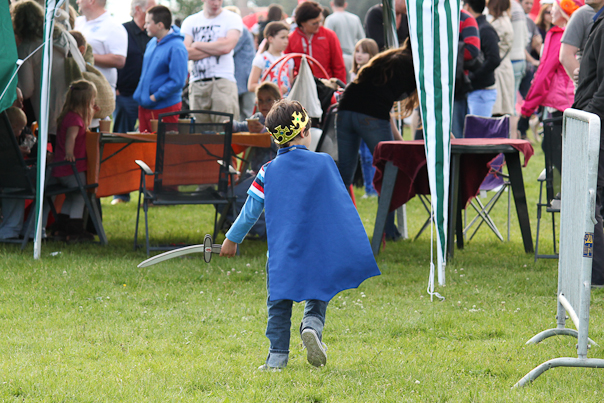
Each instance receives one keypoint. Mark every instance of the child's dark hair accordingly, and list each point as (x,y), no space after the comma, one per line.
(269,88)
(273,28)
(281,115)
(161,14)
(476,5)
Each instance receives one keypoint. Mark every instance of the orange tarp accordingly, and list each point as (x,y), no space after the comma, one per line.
(119,174)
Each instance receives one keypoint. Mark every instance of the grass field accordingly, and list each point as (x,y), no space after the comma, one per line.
(87,325)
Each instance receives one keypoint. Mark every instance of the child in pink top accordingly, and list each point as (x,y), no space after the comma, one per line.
(80,107)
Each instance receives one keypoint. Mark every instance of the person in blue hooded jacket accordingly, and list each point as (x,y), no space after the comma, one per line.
(164,69)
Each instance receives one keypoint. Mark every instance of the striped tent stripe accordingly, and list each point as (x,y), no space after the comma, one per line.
(434,33)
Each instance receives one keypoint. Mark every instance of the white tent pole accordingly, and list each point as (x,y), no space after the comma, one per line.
(50,10)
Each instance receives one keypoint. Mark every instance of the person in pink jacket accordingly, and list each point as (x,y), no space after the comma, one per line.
(311,38)
(551,86)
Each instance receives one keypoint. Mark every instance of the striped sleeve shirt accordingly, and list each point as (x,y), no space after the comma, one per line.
(468,33)
(257,188)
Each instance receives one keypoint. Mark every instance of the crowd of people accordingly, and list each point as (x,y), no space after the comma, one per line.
(508,64)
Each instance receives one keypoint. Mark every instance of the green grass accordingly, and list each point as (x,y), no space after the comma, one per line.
(88,326)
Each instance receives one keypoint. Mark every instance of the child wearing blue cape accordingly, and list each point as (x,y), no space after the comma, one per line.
(317,244)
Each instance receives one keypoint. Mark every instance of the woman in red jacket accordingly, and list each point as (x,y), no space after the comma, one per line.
(311,38)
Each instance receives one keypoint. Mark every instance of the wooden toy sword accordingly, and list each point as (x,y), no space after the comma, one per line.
(207,248)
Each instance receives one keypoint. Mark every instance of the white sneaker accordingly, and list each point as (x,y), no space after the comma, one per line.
(315,350)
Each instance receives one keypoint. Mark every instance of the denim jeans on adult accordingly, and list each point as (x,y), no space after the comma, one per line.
(460,110)
(367,167)
(519,72)
(352,127)
(125,114)
(481,102)
(124,121)
(278,327)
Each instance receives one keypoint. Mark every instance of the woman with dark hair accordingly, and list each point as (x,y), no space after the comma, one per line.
(275,13)
(311,38)
(544,18)
(364,109)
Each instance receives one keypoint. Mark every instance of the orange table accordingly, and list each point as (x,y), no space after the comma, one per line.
(119,174)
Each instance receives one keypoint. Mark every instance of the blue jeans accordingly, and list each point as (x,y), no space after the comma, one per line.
(278,327)
(124,121)
(125,114)
(13,211)
(519,72)
(481,102)
(460,110)
(352,127)
(367,167)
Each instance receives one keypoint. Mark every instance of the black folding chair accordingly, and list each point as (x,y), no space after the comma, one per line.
(18,181)
(192,166)
(328,143)
(551,177)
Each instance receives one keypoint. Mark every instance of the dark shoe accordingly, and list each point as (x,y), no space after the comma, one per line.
(77,233)
(58,230)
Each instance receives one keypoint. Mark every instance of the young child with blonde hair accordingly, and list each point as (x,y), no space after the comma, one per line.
(80,107)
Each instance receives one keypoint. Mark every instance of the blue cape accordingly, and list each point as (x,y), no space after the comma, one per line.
(316,241)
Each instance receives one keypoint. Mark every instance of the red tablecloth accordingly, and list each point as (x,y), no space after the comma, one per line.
(410,158)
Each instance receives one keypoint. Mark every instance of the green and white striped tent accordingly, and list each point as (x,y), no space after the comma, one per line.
(434,33)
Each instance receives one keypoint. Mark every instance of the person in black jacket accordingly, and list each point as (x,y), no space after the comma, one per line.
(484,94)
(126,108)
(590,98)
(364,110)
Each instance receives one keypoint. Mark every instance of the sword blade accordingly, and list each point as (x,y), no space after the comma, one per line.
(172,254)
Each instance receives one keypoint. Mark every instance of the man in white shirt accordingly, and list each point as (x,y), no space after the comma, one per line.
(349,29)
(210,37)
(108,38)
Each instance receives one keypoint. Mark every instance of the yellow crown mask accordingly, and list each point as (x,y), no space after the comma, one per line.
(285,134)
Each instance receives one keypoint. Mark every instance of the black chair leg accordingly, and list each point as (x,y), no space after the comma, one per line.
(145,209)
(138,212)
(29,226)
(97,221)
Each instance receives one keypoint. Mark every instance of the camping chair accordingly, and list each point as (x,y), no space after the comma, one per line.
(481,127)
(192,166)
(18,181)
(551,177)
